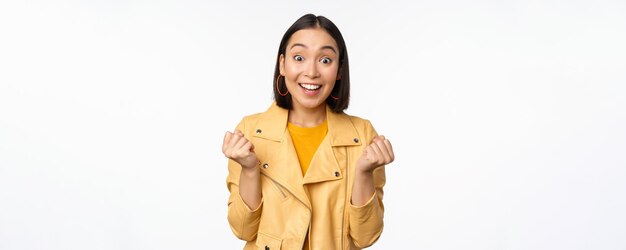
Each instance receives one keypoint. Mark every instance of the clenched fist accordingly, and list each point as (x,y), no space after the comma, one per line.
(378,153)
(237,148)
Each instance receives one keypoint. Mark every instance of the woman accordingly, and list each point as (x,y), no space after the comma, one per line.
(303,174)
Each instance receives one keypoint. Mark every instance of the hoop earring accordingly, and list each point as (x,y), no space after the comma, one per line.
(331,93)
(278,89)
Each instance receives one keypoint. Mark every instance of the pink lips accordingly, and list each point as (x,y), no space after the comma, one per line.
(310,92)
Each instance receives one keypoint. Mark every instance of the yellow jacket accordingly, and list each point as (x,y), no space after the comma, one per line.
(319,202)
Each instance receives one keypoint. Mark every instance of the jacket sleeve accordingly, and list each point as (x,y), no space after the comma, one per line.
(366,221)
(244,221)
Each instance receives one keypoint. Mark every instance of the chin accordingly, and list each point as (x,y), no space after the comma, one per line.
(312,103)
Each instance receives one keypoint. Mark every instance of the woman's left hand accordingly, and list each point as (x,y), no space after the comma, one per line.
(377,154)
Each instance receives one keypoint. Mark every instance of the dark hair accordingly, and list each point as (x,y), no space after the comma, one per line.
(342,86)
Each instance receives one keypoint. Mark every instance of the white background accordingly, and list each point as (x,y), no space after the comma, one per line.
(507,117)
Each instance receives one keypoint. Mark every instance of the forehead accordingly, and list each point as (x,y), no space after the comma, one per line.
(314,38)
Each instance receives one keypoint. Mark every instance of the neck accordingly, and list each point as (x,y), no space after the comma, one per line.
(307,117)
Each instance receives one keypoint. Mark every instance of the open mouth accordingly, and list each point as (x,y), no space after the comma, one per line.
(311,87)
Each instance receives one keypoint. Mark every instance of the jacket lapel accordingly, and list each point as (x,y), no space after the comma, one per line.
(325,164)
(283,165)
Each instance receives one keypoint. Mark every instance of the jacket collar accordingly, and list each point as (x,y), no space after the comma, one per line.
(341,131)
(272,126)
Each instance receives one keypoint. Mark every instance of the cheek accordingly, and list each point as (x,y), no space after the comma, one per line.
(292,70)
(331,74)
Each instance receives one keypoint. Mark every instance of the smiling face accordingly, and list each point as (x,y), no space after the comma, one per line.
(310,65)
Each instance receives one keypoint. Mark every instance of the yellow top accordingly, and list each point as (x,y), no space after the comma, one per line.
(306,141)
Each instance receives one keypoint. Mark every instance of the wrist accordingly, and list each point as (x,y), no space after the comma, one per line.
(248,164)
(364,173)
(250,170)
(364,170)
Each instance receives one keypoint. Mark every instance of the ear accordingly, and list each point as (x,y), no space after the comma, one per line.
(281,64)
(339,75)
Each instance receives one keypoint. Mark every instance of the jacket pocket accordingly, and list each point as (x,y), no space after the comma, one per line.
(267,242)
(279,190)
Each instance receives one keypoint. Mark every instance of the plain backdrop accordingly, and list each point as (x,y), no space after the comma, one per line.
(507,117)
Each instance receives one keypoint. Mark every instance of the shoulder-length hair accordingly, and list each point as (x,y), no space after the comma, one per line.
(342,86)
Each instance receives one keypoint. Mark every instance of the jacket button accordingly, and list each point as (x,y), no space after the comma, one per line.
(336,173)
(267,248)
(356,140)
(265,165)
(258,131)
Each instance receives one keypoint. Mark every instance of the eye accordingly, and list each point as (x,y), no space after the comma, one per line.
(298,58)
(326,60)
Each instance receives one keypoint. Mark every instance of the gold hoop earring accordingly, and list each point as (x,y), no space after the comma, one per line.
(278,89)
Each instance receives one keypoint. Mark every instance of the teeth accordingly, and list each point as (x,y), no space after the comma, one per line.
(310,86)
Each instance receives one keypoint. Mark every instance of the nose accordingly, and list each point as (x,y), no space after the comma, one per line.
(311,70)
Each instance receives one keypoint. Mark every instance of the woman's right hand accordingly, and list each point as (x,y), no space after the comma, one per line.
(239,149)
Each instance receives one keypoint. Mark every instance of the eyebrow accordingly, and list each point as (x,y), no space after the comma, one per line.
(323,47)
